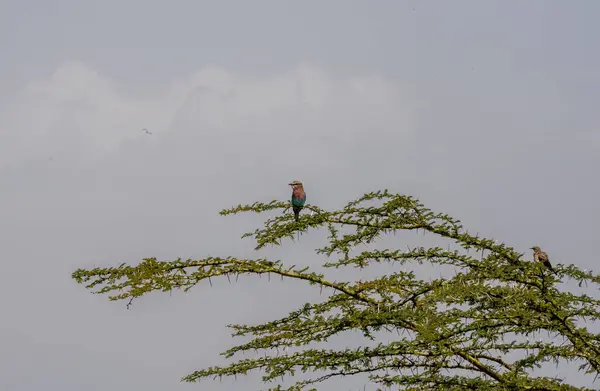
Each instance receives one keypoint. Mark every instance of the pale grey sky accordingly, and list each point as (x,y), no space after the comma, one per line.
(485,110)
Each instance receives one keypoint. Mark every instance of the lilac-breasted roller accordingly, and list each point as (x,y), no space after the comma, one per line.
(298,198)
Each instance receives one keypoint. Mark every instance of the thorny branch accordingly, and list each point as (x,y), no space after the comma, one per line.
(450,330)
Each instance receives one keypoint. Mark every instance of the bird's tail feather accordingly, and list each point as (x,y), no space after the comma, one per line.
(297,212)
(297,216)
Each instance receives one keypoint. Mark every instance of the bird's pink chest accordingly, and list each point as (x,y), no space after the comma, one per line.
(298,193)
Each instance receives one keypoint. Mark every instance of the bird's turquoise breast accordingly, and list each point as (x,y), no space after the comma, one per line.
(298,201)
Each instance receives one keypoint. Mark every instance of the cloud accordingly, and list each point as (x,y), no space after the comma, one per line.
(79,112)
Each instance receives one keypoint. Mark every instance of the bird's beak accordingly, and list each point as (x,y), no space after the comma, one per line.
(531,248)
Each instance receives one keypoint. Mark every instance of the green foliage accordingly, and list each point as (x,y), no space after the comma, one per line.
(473,331)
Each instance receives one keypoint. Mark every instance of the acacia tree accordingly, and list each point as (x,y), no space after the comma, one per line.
(470,331)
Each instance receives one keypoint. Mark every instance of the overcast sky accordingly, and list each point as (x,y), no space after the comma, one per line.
(486,110)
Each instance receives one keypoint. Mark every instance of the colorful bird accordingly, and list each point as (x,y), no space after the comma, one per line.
(298,198)
(541,256)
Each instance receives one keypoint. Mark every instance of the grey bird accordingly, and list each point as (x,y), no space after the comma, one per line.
(541,256)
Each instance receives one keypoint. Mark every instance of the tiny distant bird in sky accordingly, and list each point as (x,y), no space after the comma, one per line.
(541,256)
(147,131)
(298,198)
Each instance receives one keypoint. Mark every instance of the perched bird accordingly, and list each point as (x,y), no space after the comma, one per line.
(541,256)
(298,198)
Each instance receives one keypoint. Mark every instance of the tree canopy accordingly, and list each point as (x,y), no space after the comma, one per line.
(478,329)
